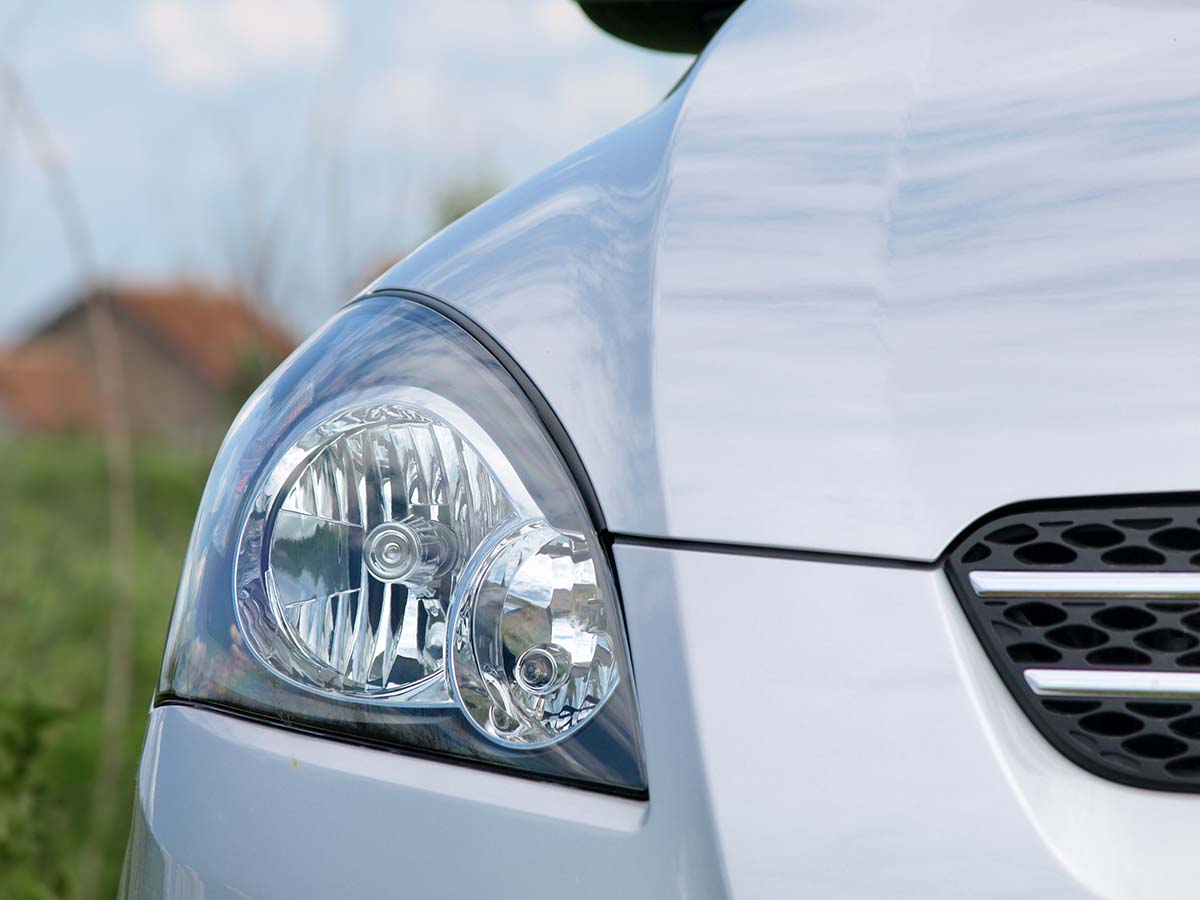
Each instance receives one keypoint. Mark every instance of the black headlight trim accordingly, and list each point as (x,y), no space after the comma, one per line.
(549,419)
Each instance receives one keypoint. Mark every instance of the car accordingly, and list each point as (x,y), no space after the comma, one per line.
(791,494)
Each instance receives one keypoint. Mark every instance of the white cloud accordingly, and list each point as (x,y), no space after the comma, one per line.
(497,29)
(603,98)
(562,23)
(512,121)
(510,85)
(213,44)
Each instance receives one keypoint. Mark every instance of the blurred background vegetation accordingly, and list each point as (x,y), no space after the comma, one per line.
(63,565)
(54,603)
(187,187)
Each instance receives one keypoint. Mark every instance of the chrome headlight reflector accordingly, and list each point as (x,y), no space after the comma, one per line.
(534,654)
(408,561)
(353,549)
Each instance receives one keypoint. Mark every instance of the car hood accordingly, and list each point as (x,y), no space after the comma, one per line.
(870,272)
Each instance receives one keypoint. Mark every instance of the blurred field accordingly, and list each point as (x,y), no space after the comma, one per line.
(54,604)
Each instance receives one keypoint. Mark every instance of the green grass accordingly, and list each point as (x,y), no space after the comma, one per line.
(55,593)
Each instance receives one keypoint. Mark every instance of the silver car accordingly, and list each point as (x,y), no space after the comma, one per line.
(791,494)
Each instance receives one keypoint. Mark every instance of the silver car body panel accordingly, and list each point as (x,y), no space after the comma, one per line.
(873,271)
(840,761)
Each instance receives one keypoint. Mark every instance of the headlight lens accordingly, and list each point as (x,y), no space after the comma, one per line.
(410,562)
(534,652)
(354,548)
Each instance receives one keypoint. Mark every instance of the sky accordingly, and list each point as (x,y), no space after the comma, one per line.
(291,146)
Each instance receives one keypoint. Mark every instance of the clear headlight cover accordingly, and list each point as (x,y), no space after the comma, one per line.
(391,548)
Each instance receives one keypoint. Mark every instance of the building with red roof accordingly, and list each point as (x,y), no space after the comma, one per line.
(190,352)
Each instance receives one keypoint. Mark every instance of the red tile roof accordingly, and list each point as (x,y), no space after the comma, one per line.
(209,329)
(49,383)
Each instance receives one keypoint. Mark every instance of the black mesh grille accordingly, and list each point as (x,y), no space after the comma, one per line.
(1145,742)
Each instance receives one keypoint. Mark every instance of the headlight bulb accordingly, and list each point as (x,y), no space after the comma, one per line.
(543,668)
(533,653)
(412,552)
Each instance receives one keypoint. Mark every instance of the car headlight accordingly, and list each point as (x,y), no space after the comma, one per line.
(392,549)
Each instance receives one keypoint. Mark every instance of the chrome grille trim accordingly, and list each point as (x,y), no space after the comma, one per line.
(1091,616)
(1113,683)
(988,583)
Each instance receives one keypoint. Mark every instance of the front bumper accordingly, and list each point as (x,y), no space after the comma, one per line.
(811,729)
